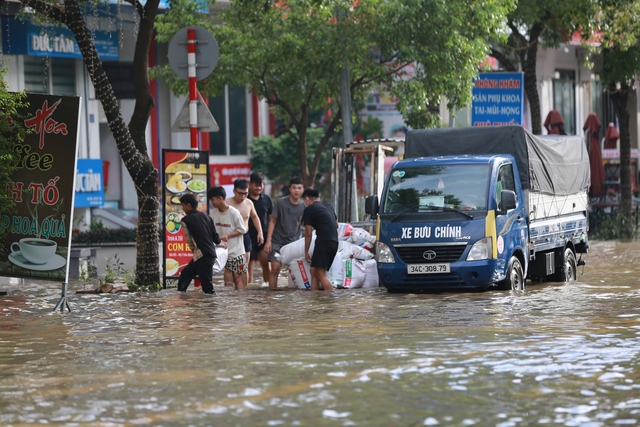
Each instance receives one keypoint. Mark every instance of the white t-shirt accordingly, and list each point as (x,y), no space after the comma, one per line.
(227,222)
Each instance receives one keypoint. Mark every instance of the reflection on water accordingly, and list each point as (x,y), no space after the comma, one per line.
(555,354)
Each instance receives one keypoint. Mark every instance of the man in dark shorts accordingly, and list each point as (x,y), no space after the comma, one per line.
(323,219)
(248,213)
(201,235)
(284,227)
(264,206)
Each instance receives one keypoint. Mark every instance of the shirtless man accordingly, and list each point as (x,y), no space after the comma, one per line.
(247,211)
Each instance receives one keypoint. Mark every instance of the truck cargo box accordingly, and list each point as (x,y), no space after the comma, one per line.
(552,165)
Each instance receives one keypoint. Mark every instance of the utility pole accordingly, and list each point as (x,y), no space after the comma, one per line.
(347,132)
(345,106)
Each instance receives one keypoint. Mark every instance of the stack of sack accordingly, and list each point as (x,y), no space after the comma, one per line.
(352,268)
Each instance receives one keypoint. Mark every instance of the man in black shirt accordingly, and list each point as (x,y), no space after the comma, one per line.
(201,234)
(264,208)
(323,219)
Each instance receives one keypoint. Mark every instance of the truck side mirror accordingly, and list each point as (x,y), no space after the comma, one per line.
(371,206)
(508,198)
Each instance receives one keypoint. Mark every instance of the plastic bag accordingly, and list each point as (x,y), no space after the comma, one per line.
(221,260)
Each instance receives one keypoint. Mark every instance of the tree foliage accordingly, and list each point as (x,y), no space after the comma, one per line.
(618,26)
(534,24)
(290,54)
(274,154)
(12,132)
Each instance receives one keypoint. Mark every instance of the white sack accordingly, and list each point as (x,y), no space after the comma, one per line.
(335,274)
(351,250)
(353,273)
(362,237)
(295,250)
(221,260)
(300,273)
(344,230)
(370,274)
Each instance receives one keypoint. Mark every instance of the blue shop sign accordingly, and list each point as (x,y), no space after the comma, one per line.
(24,38)
(89,184)
(498,99)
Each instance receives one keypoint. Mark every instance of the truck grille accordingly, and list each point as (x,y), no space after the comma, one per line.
(443,253)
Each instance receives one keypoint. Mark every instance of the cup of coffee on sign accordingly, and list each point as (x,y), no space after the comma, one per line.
(36,251)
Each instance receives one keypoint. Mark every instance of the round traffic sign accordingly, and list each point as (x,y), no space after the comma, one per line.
(206,53)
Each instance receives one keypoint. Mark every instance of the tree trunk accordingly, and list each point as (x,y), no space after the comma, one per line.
(302,155)
(136,160)
(528,59)
(620,98)
(531,89)
(145,176)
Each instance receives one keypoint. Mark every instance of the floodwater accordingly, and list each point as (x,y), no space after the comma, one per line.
(555,354)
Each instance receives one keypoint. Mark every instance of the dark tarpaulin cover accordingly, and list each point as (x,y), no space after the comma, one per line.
(557,164)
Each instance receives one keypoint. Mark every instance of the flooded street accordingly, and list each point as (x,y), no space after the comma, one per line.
(555,354)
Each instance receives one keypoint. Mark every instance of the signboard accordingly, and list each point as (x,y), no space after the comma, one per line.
(89,184)
(205,120)
(184,171)
(614,154)
(498,99)
(42,188)
(381,105)
(224,174)
(24,38)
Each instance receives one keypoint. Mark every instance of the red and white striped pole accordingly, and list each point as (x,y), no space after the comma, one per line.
(193,89)
(193,97)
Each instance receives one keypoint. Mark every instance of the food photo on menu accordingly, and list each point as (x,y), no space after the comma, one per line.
(183,174)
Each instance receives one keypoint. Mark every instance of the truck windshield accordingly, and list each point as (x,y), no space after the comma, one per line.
(426,188)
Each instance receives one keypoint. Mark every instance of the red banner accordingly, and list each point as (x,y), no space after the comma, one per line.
(225,173)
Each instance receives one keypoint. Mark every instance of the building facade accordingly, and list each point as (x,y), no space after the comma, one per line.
(47,60)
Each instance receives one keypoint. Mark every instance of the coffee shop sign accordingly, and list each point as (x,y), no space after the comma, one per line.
(49,227)
(48,193)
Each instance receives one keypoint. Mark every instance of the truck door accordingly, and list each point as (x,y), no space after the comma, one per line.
(511,226)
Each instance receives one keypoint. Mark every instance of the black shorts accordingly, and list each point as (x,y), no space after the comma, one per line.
(247,242)
(324,254)
(255,248)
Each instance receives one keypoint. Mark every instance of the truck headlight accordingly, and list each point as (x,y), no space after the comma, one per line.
(383,253)
(482,249)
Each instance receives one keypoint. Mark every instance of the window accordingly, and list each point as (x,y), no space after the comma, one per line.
(602,105)
(120,75)
(505,181)
(55,76)
(564,98)
(230,112)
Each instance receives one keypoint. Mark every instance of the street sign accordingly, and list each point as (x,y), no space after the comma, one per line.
(498,99)
(206,122)
(206,53)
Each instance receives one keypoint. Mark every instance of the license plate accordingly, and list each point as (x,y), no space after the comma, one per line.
(428,268)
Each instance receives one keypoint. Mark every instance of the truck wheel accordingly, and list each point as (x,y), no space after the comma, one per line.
(515,275)
(569,270)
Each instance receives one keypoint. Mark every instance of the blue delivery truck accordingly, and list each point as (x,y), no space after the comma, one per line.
(482,207)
